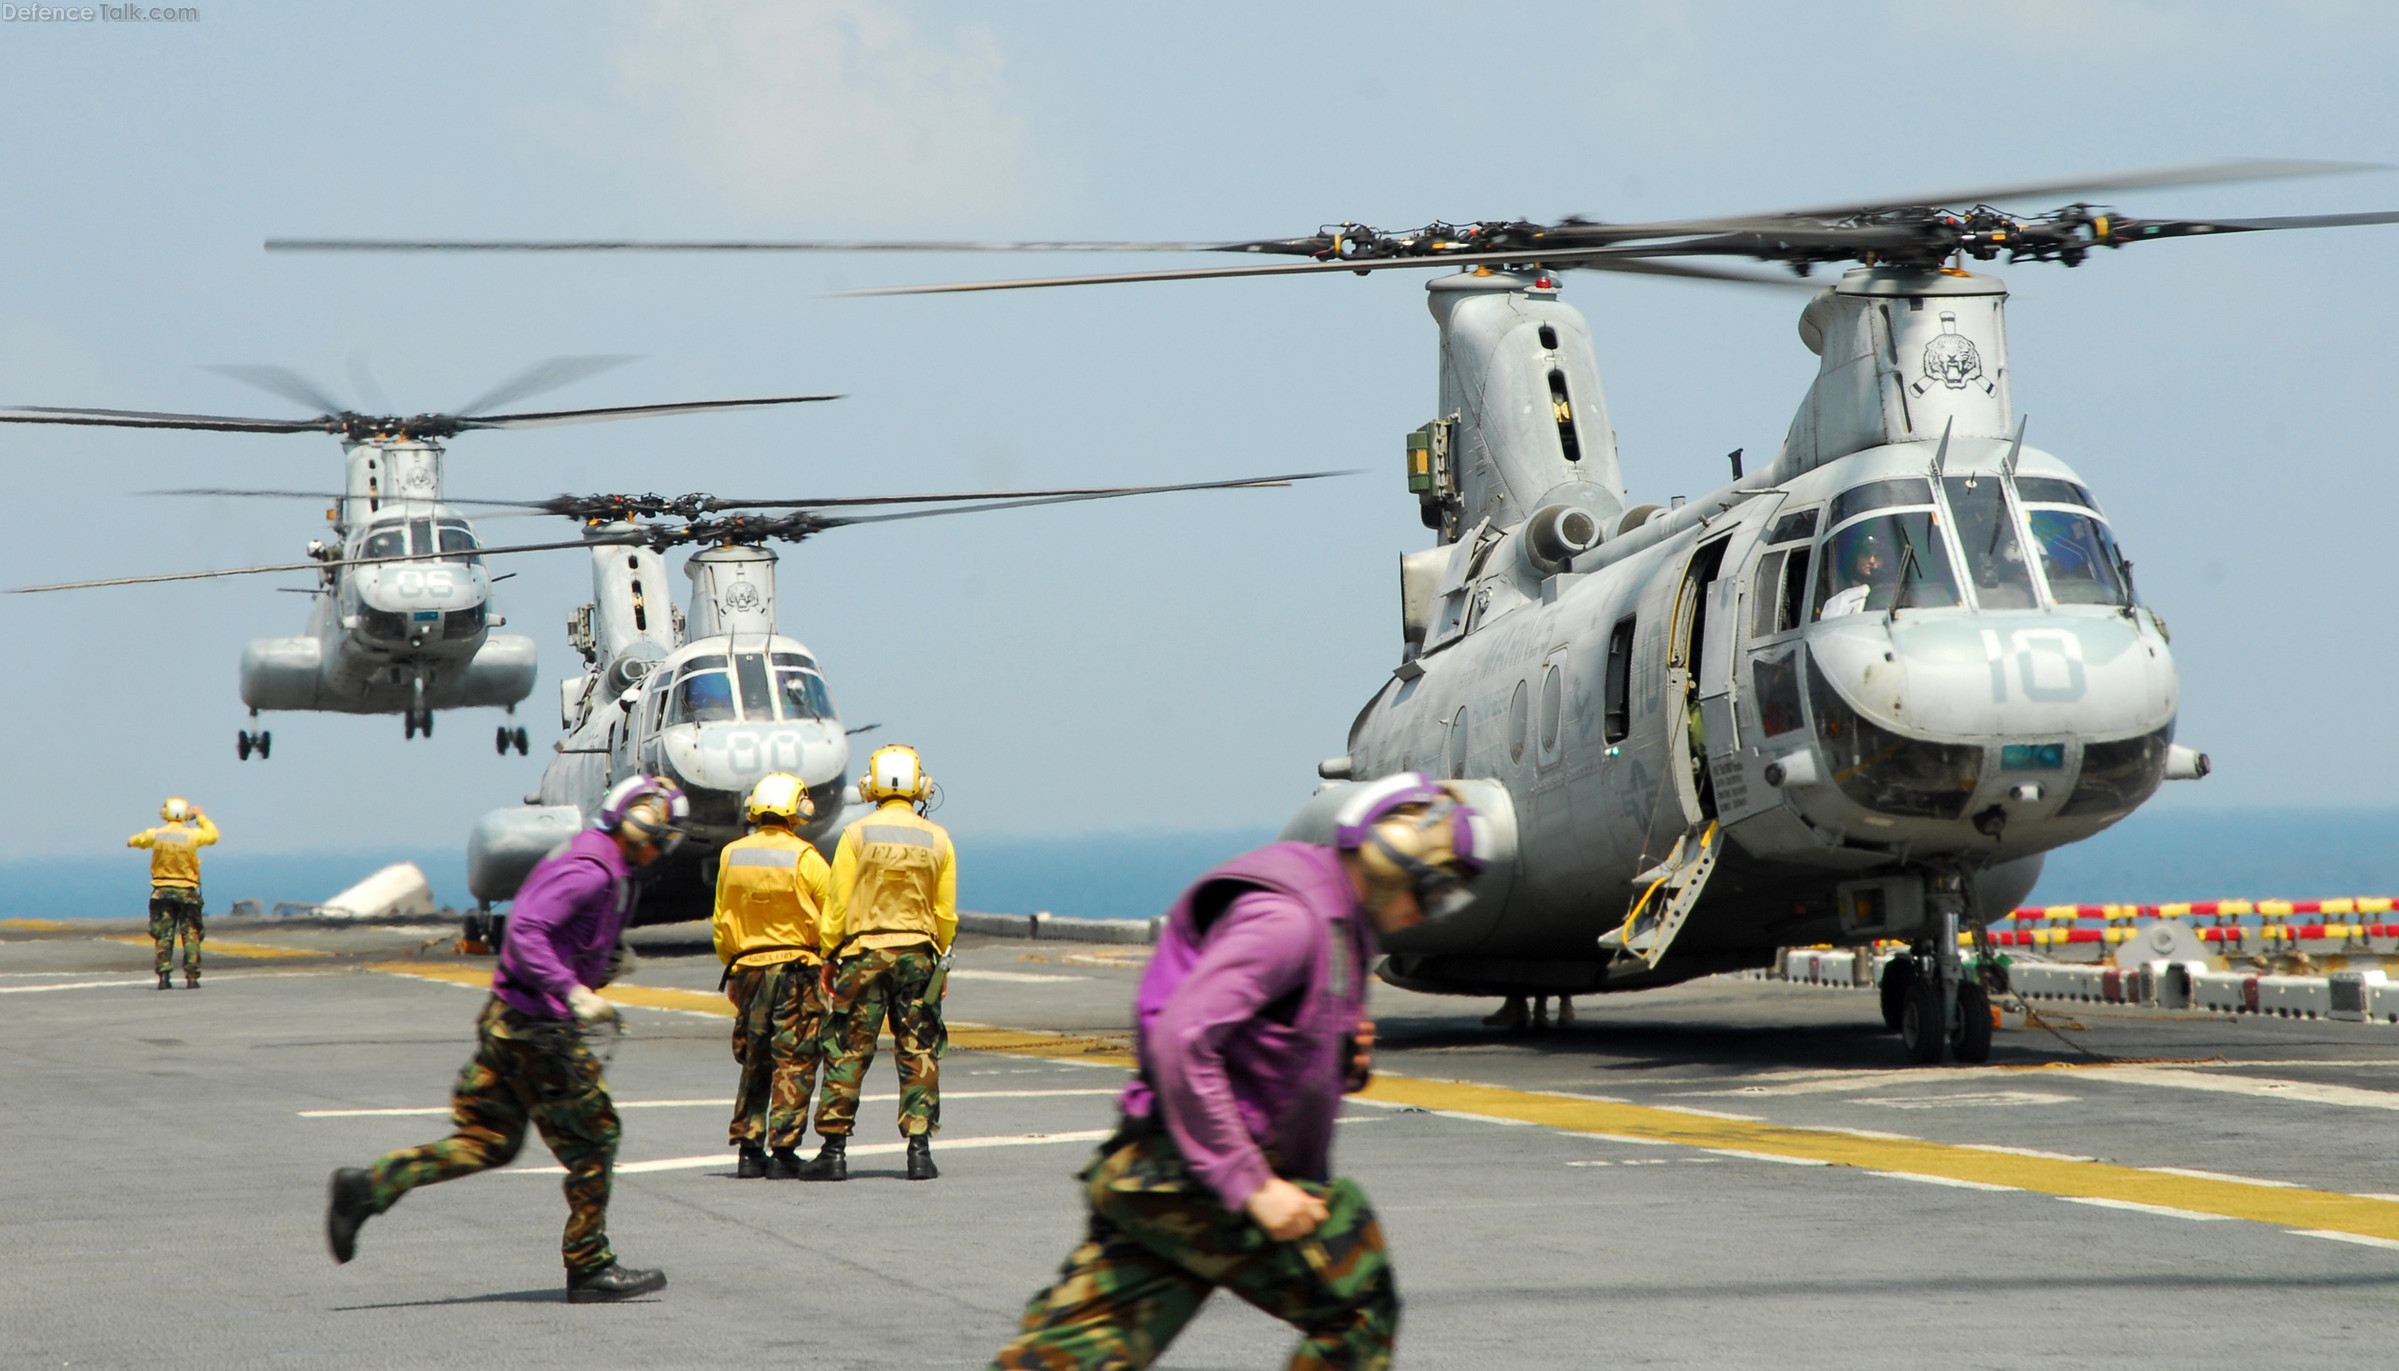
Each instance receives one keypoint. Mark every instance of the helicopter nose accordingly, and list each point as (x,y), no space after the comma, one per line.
(731,757)
(1955,731)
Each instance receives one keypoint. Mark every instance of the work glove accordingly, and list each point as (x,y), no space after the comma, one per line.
(588,1007)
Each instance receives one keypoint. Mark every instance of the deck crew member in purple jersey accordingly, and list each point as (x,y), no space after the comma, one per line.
(531,1065)
(1251,1027)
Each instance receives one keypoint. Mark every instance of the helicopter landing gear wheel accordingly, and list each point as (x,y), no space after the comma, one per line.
(1970,1036)
(523,743)
(1898,975)
(241,745)
(262,742)
(408,724)
(420,721)
(1921,1031)
(502,740)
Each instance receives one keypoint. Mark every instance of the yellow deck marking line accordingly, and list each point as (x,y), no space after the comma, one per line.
(36,925)
(231,949)
(2314,1210)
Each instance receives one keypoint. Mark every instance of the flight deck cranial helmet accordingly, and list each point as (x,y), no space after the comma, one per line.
(650,809)
(780,796)
(894,773)
(1414,833)
(175,810)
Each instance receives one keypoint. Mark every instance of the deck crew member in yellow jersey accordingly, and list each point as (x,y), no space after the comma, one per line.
(175,885)
(770,895)
(887,927)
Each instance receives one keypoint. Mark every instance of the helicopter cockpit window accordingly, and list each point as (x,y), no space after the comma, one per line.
(1793,527)
(391,540)
(702,697)
(1994,556)
(749,668)
(420,537)
(2048,490)
(1886,560)
(803,691)
(2080,558)
(1904,490)
(457,538)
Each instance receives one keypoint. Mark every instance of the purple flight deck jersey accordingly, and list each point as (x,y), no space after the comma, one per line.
(1244,1016)
(563,925)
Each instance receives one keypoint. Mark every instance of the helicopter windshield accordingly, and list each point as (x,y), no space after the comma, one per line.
(703,695)
(388,540)
(1862,565)
(456,538)
(2080,559)
(1994,556)
(802,691)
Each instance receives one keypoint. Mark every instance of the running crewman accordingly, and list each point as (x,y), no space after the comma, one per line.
(175,885)
(770,894)
(530,1064)
(1251,1025)
(892,913)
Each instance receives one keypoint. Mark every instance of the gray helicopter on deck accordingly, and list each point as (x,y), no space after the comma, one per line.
(400,617)
(715,698)
(1851,696)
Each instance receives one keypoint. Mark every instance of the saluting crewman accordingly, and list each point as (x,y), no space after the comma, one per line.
(892,912)
(770,897)
(175,885)
(531,1065)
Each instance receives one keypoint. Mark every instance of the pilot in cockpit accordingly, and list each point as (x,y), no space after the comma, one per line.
(1864,568)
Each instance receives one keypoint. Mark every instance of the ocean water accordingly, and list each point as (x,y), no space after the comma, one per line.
(2152,857)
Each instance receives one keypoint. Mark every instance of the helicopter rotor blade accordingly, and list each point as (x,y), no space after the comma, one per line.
(601,538)
(540,377)
(1601,258)
(717,245)
(134,418)
(2145,178)
(552,418)
(281,381)
(1104,493)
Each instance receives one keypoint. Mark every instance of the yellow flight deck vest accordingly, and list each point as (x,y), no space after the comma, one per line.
(895,883)
(175,851)
(770,894)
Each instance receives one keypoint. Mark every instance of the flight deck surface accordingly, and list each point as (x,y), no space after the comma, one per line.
(1731,1173)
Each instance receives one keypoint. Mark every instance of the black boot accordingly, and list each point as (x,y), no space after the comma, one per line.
(752,1164)
(831,1163)
(190,981)
(783,1165)
(920,1159)
(349,1203)
(166,981)
(615,1281)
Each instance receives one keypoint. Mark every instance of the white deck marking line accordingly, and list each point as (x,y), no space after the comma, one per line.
(1708,1113)
(2377,1195)
(965,973)
(726,1157)
(2260,1087)
(2025,1152)
(2158,1209)
(75,985)
(1950,1181)
(2359,1238)
(1766,1157)
(1623,1138)
(2198,1175)
(1480,1118)
(707,1104)
(1876,1134)
(1967,1099)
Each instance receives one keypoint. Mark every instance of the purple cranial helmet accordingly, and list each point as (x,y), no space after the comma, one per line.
(651,808)
(1413,832)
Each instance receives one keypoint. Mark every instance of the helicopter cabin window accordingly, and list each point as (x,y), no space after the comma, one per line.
(1780,596)
(2079,558)
(1994,557)
(749,669)
(385,540)
(457,538)
(1883,562)
(801,689)
(2048,490)
(1778,694)
(1617,721)
(1904,490)
(1792,527)
(703,693)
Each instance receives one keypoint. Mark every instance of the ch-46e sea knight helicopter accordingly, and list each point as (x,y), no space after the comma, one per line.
(713,699)
(1852,696)
(399,621)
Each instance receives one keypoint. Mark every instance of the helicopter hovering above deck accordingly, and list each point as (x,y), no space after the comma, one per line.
(1852,696)
(400,616)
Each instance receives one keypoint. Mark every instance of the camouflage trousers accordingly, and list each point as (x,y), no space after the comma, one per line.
(777,1023)
(525,1070)
(872,985)
(175,907)
(1160,1243)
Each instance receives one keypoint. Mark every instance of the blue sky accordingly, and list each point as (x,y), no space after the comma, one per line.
(1180,664)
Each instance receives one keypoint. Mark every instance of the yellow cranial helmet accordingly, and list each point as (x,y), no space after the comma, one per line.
(894,773)
(780,796)
(175,810)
